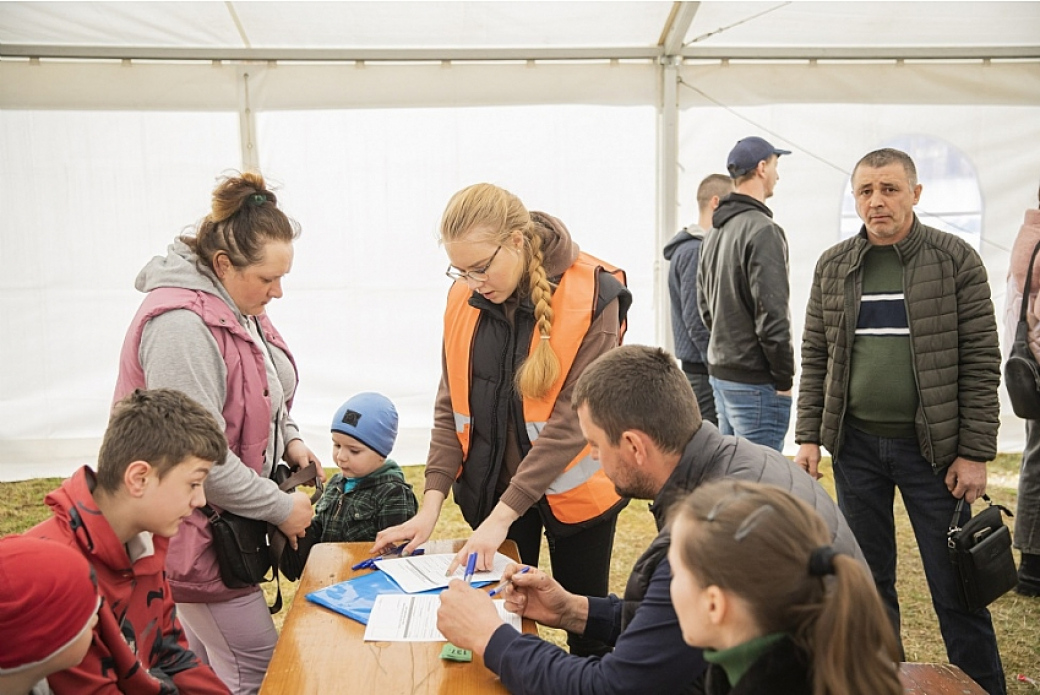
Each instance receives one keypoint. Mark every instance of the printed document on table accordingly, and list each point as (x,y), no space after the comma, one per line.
(413,618)
(425,572)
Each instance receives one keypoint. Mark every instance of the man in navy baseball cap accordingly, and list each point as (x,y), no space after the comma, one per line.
(743,298)
(747,153)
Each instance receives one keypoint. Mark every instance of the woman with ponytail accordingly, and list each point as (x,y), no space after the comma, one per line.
(526,313)
(203,329)
(757,585)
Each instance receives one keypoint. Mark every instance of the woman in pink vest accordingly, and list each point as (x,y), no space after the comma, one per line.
(202,329)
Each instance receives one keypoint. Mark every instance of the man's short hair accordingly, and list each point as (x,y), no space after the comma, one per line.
(162,427)
(713,185)
(636,387)
(884,157)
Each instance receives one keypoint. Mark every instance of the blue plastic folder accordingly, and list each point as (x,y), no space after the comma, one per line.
(355,597)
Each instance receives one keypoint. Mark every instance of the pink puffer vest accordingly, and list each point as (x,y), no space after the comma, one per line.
(192,564)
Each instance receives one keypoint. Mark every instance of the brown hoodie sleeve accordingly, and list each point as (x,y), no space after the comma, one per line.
(445,457)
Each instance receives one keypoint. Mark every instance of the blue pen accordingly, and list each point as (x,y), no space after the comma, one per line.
(498,589)
(471,567)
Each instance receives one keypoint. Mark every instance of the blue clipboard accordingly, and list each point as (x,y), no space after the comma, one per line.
(355,597)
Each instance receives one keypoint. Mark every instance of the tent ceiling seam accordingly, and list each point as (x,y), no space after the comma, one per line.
(790,53)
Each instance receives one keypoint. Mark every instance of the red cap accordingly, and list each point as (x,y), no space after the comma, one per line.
(48,594)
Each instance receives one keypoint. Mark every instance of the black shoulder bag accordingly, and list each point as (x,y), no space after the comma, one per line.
(981,555)
(1021,372)
(248,548)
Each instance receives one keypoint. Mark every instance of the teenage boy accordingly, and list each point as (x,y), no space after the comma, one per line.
(48,608)
(155,456)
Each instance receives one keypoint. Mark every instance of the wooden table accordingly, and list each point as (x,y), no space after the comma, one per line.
(937,679)
(321,652)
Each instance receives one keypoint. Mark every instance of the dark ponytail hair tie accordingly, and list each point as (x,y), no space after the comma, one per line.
(257,199)
(821,561)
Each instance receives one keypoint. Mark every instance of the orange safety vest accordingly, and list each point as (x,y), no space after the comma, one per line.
(582,491)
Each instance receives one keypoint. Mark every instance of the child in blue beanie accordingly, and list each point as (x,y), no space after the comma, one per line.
(369,493)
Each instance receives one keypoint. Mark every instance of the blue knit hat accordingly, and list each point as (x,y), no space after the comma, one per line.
(369,418)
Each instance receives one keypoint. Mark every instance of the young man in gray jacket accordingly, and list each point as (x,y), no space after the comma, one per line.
(744,295)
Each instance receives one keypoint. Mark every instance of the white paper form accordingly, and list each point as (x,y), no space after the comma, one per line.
(425,572)
(413,618)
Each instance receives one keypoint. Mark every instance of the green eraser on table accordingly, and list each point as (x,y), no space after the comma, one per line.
(453,653)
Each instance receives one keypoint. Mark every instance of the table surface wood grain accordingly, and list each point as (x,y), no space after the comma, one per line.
(321,652)
(937,679)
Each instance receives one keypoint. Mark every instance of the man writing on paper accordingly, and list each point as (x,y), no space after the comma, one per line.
(640,416)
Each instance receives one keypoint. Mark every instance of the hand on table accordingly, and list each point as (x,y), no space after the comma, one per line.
(486,540)
(415,532)
(467,617)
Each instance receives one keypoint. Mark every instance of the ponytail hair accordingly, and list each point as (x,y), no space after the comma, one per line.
(826,602)
(498,213)
(243,218)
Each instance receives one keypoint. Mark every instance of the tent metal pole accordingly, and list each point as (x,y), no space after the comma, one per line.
(667,195)
(671,44)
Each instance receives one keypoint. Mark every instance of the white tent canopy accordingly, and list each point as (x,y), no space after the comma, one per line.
(116,117)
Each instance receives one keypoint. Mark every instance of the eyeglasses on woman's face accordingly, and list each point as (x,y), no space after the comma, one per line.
(475,275)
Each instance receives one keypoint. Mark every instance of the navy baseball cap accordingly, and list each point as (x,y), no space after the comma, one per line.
(747,153)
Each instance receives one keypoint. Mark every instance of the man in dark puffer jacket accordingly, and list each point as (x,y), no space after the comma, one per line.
(900,368)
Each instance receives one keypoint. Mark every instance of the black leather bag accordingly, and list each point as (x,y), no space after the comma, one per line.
(247,549)
(1021,372)
(242,546)
(981,555)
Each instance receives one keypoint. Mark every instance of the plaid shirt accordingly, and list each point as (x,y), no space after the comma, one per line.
(381,499)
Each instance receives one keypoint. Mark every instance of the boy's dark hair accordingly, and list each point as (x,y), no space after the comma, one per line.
(162,427)
(635,387)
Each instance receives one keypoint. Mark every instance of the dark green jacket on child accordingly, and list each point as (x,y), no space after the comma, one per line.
(379,500)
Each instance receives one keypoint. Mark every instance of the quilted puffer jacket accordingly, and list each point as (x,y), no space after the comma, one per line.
(953,336)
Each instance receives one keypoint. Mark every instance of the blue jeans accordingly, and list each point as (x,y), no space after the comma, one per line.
(755,412)
(867,470)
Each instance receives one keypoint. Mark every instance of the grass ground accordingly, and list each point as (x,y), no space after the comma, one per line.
(1016,619)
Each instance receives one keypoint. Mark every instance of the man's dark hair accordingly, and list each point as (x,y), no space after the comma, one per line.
(720,185)
(162,427)
(884,157)
(636,387)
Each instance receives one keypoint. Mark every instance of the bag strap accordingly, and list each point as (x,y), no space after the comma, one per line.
(278,540)
(1029,281)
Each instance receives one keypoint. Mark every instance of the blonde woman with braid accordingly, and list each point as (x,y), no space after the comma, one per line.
(526,313)
(203,329)
(814,626)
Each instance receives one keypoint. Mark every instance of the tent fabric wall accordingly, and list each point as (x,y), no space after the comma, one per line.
(104,161)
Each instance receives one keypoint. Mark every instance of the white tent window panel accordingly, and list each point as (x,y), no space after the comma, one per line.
(950,195)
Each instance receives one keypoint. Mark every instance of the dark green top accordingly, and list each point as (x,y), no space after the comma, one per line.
(735,661)
(882,392)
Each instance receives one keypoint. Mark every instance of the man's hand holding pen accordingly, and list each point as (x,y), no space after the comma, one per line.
(534,594)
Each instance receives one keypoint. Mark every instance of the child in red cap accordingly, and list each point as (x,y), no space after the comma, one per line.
(156,454)
(48,608)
